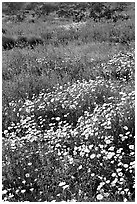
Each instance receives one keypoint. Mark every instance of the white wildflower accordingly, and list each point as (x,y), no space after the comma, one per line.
(62,183)
(92,156)
(57,118)
(23,191)
(125,165)
(99,197)
(4,191)
(125,127)
(131,147)
(110,155)
(113,174)
(111,148)
(64,187)
(80,167)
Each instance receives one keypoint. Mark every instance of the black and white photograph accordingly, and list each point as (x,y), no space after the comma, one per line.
(68,101)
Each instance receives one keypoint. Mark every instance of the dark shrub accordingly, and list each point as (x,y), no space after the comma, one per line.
(34,41)
(31,41)
(4,31)
(32,21)
(8,42)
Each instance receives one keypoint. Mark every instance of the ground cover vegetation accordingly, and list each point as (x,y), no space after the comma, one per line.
(68,93)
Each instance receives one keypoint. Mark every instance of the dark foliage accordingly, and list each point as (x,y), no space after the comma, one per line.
(4,31)
(12,7)
(34,41)
(8,42)
(22,41)
(75,10)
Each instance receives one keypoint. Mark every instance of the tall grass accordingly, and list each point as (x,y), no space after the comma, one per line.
(30,71)
(121,31)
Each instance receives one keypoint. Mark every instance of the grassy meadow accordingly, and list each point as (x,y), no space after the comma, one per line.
(68,112)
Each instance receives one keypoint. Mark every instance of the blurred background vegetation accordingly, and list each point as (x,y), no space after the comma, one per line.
(51,43)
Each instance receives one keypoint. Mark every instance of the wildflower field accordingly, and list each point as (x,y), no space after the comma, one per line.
(68,125)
